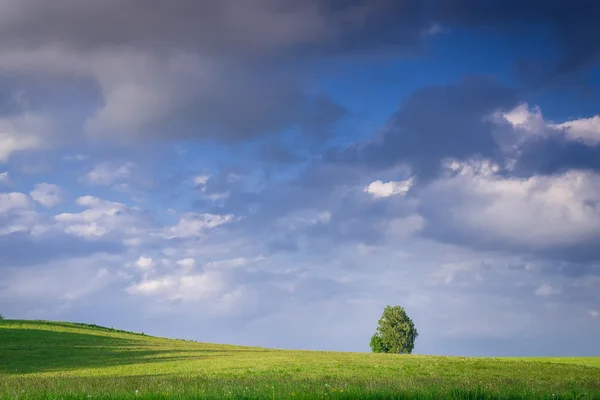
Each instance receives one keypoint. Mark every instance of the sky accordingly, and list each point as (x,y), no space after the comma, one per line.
(276,172)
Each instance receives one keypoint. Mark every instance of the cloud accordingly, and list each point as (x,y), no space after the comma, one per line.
(230,71)
(539,146)
(194,225)
(46,194)
(585,129)
(547,290)
(103,218)
(4,179)
(531,123)
(145,263)
(476,206)
(108,174)
(379,189)
(222,85)
(21,132)
(466,200)
(201,180)
(11,201)
(222,289)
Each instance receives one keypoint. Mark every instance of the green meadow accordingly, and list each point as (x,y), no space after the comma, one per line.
(57,360)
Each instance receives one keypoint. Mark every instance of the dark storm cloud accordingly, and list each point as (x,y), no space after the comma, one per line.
(235,69)
(212,26)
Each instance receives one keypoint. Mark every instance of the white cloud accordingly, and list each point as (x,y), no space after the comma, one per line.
(110,173)
(193,224)
(217,196)
(221,285)
(145,263)
(547,290)
(531,122)
(521,117)
(101,218)
(187,264)
(48,195)
(379,189)
(11,201)
(4,178)
(302,218)
(536,212)
(585,129)
(201,180)
(21,132)
(594,313)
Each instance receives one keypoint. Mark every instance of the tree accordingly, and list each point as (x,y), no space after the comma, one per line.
(1,317)
(396,332)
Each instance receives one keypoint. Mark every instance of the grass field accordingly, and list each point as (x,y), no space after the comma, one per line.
(58,360)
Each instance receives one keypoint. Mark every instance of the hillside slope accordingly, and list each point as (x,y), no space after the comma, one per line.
(68,359)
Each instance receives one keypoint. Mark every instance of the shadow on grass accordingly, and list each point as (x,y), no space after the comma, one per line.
(24,351)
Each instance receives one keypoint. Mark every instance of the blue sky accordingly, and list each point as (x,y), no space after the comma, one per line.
(275,172)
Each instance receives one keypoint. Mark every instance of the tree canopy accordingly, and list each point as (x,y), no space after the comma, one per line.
(396,332)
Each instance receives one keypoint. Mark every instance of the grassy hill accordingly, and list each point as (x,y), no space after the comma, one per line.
(57,360)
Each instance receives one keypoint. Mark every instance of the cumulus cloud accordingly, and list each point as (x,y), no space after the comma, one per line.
(540,146)
(379,189)
(11,201)
(47,194)
(21,132)
(584,129)
(530,121)
(547,290)
(201,180)
(4,179)
(546,213)
(145,263)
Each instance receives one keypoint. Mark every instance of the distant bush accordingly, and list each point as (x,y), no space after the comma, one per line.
(1,317)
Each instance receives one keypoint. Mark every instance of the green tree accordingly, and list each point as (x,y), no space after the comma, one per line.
(1,317)
(396,332)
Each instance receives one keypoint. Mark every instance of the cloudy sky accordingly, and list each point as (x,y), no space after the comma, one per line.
(275,172)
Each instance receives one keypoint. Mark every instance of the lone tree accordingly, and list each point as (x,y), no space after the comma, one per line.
(395,333)
(1,317)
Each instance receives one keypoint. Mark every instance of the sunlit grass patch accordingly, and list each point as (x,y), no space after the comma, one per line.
(73,361)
